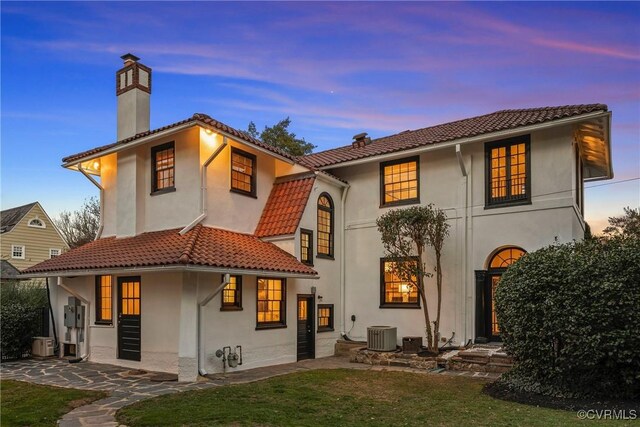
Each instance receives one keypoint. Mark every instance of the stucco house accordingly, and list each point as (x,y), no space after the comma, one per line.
(212,239)
(27,237)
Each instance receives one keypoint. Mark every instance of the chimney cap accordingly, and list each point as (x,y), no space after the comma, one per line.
(129,57)
(360,136)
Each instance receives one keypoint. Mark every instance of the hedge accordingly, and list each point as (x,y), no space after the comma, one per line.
(570,316)
(20,317)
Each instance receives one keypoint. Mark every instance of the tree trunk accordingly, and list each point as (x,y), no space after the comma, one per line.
(425,308)
(439,288)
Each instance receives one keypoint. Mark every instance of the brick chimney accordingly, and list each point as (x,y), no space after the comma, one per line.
(360,140)
(133,89)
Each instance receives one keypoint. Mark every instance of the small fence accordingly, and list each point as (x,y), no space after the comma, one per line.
(40,327)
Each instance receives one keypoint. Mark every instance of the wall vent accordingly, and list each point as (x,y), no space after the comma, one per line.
(382,338)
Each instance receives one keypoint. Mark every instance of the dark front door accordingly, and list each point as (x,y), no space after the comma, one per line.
(129,318)
(306,342)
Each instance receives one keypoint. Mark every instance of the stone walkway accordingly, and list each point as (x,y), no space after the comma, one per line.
(126,386)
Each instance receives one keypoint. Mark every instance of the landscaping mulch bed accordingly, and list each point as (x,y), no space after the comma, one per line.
(499,390)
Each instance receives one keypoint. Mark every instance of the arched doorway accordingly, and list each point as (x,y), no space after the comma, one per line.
(487,328)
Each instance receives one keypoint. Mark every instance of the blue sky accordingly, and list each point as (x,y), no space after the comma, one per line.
(336,69)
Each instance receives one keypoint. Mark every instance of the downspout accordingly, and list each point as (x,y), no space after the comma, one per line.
(203,188)
(87,316)
(97,184)
(202,303)
(343,329)
(465,275)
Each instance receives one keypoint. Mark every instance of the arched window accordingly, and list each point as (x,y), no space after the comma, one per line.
(500,260)
(505,257)
(325,226)
(37,222)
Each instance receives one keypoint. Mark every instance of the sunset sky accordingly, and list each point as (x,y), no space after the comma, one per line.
(336,69)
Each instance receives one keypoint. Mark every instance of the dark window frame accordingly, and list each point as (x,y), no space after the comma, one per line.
(579,181)
(154,177)
(383,303)
(237,305)
(331,210)
(309,234)
(282,323)
(98,289)
(254,174)
(490,202)
(413,201)
(330,327)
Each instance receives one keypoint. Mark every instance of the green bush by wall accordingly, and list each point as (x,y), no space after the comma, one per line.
(21,308)
(570,316)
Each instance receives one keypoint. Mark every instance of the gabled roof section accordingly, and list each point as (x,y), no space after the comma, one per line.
(285,206)
(8,271)
(198,118)
(10,217)
(488,123)
(202,246)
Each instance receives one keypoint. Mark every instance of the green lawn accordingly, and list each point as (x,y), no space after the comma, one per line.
(25,404)
(345,398)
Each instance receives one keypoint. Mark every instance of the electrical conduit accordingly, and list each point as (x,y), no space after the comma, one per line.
(202,303)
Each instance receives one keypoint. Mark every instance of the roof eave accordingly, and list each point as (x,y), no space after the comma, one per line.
(463,141)
(169,268)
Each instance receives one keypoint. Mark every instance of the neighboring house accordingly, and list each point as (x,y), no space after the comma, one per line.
(29,236)
(213,239)
(8,273)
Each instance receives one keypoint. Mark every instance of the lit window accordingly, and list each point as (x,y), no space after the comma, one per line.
(243,172)
(54,253)
(325,226)
(104,300)
(37,223)
(394,290)
(163,159)
(306,247)
(325,317)
(399,181)
(271,303)
(507,171)
(17,251)
(232,294)
(498,265)
(130,297)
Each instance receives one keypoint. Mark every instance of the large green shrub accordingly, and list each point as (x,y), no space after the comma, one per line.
(570,316)
(20,314)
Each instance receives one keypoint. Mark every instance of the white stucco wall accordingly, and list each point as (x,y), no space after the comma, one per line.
(160,320)
(551,215)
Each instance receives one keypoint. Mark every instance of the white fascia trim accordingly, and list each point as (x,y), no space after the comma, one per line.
(169,268)
(480,138)
(254,146)
(131,144)
(279,238)
(329,179)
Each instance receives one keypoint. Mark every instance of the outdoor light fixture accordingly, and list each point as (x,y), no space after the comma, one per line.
(313,290)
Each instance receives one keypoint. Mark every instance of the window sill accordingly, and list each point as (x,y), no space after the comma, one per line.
(400,203)
(100,325)
(278,326)
(496,205)
(410,306)
(163,191)
(325,330)
(322,256)
(244,193)
(309,264)
(231,308)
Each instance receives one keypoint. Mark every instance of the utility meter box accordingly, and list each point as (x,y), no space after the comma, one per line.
(80,312)
(70,316)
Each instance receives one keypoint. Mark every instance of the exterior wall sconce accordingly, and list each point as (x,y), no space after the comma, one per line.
(313,290)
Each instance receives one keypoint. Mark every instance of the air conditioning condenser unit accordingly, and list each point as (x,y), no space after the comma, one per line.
(42,346)
(382,338)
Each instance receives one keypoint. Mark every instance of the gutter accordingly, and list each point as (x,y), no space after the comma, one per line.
(200,347)
(194,268)
(87,316)
(203,187)
(467,229)
(469,140)
(101,188)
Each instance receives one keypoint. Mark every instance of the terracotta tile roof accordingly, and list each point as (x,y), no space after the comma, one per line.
(498,121)
(284,208)
(10,217)
(201,246)
(196,118)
